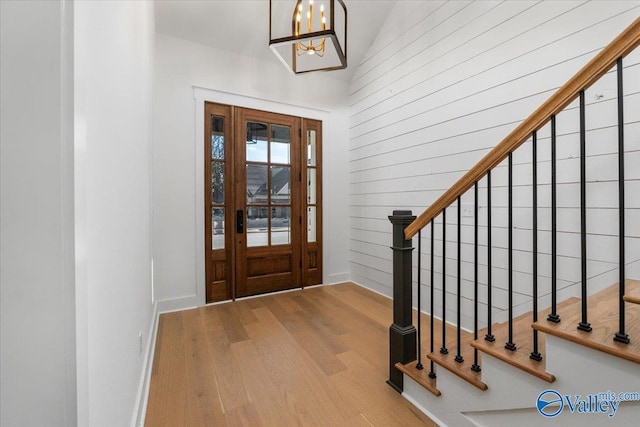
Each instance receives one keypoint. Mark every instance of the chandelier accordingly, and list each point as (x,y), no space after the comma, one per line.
(309,48)
(314,39)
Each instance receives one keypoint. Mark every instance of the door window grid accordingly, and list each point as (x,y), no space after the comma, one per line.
(217,183)
(311,186)
(268,159)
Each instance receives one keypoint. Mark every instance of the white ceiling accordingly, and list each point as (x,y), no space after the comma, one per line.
(242,26)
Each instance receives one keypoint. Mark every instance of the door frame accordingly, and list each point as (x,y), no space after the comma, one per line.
(200,96)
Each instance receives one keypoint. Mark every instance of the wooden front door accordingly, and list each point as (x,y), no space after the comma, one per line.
(263,201)
(268,190)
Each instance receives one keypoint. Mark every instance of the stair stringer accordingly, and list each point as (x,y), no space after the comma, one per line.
(512,394)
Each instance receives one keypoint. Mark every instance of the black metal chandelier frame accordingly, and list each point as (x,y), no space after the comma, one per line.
(294,40)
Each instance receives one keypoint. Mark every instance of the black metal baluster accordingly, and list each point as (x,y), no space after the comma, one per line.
(510,345)
(432,373)
(419,340)
(443,349)
(535,355)
(475,367)
(489,336)
(621,336)
(459,357)
(584,325)
(553,316)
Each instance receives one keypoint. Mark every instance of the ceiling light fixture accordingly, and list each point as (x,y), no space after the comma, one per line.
(305,47)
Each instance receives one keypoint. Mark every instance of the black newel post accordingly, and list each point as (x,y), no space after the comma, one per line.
(402,333)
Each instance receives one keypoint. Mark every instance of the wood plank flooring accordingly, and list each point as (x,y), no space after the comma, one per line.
(314,357)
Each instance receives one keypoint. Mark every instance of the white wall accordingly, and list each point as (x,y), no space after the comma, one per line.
(113,83)
(221,76)
(443,83)
(37,338)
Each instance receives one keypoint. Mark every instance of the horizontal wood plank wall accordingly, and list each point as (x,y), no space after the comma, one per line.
(443,83)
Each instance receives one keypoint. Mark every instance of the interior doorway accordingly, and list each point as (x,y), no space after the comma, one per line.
(263,202)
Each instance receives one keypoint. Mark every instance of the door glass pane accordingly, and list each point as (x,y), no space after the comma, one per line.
(217,228)
(257,142)
(280,225)
(280,185)
(257,184)
(257,226)
(311,148)
(311,224)
(217,137)
(217,182)
(311,186)
(280,146)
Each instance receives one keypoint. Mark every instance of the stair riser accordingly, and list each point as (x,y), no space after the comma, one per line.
(584,370)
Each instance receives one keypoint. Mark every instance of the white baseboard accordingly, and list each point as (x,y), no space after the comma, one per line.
(372,290)
(176,304)
(140,408)
(337,278)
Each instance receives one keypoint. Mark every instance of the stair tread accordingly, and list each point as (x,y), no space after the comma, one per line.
(632,291)
(519,359)
(462,369)
(523,338)
(421,376)
(448,363)
(603,306)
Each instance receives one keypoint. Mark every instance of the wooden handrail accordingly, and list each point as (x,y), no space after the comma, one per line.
(621,46)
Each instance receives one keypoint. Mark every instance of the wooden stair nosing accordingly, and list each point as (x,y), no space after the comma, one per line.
(419,376)
(462,370)
(632,299)
(518,359)
(632,291)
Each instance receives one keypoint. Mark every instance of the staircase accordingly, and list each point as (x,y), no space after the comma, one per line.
(493,362)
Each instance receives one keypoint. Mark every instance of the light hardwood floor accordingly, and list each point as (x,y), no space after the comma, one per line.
(313,357)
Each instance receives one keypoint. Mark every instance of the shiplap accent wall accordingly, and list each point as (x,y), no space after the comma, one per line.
(442,84)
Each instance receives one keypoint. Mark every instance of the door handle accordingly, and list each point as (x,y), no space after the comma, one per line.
(240,222)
